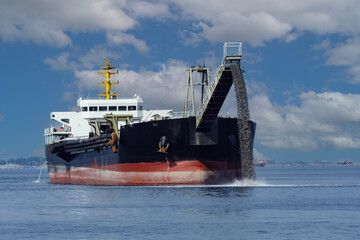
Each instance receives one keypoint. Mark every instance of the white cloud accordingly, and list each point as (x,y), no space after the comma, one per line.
(61,62)
(322,120)
(119,38)
(86,79)
(52,22)
(46,22)
(38,31)
(257,21)
(254,28)
(354,71)
(292,36)
(68,96)
(66,61)
(342,142)
(318,22)
(254,22)
(323,45)
(97,53)
(2,117)
(346,54)
(147,9)
(258,156)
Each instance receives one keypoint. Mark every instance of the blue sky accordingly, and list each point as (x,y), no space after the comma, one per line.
(301,62)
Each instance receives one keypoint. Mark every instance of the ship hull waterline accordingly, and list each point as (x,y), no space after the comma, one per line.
(181,173)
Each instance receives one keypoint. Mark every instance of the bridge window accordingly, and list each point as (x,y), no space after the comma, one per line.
(122,108)
(93,109)
(140,107)
(132,108)
(112,108)
(65,120)
(103,108)
(84,109)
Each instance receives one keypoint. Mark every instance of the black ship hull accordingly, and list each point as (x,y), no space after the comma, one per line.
(162,152)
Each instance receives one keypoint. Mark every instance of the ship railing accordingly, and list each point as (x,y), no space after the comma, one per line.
(53,133)
(52,138)
(175,115)
(58,140)
(57,130)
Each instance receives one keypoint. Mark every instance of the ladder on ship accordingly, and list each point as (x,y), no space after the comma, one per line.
(217,91)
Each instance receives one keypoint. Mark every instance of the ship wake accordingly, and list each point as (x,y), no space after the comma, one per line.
(252,183)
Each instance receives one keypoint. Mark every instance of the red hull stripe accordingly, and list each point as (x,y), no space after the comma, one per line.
(181,172)
(166,166)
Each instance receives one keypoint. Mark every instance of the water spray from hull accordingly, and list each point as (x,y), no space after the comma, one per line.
(38,180)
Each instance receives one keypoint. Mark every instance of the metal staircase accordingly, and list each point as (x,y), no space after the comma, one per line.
(218,91)
(214,101)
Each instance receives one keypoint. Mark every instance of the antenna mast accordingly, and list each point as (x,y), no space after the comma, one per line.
(107,66)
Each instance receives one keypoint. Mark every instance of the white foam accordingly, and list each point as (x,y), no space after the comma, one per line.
(236,183)
(246,183)
(262,183)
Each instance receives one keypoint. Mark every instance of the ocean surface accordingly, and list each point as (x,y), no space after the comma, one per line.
(283,203)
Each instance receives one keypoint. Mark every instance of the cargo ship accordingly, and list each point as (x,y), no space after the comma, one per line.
(115,141)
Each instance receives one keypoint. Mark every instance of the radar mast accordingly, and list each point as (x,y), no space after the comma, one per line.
(108,66)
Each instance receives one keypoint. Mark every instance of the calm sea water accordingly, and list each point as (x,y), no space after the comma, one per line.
(284,203)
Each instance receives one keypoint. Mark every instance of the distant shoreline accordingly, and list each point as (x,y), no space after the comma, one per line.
(305,164)
(30,162)
(16,166)
(309,165)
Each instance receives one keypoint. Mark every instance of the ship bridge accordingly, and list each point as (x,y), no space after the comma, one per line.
(216,91)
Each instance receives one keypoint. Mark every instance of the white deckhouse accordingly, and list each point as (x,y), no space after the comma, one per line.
(70,125)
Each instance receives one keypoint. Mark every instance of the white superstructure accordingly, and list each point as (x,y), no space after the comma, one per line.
(69,125)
